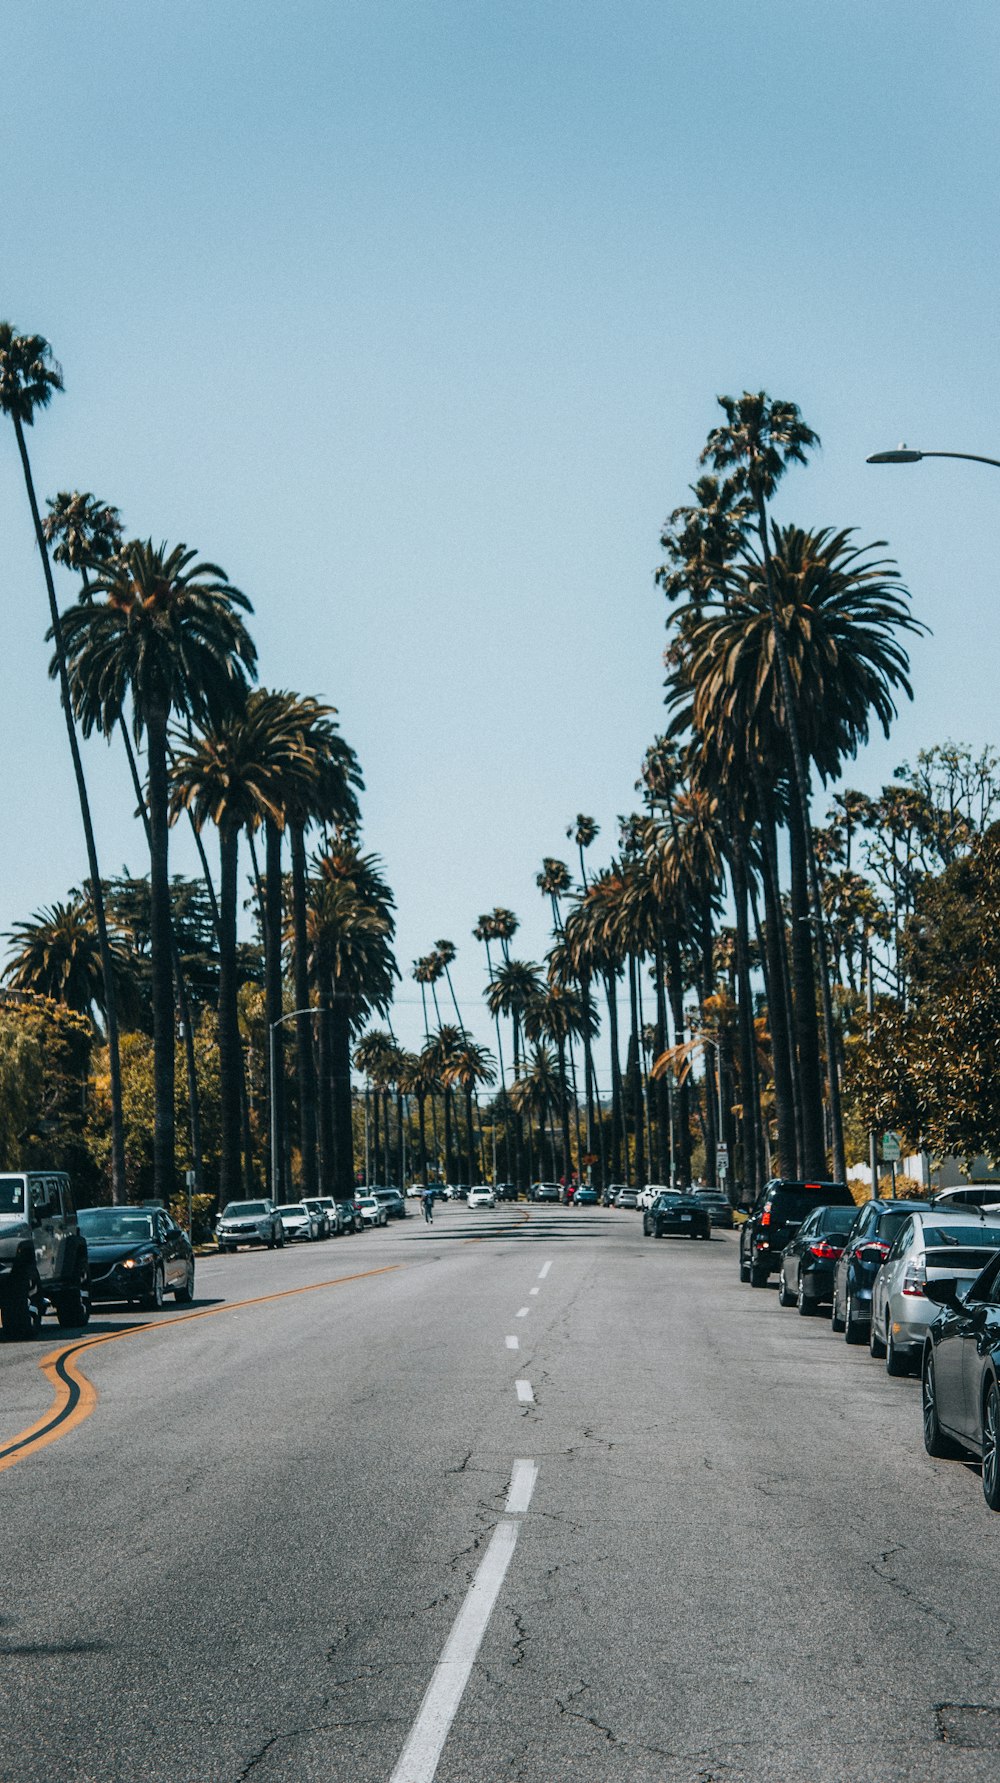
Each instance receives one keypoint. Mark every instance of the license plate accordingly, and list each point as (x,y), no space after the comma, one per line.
(686,1217)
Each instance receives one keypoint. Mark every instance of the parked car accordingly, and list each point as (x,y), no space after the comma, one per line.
(43,1253)
(627,1197)
(960,1375)
(249,1222)
(974,1194)
(869,1242)
(805,1278)
(372,1211)
(611,1193)
(929,1245)
(321,1214)
(676,1216)
(482,1196)
(720,1208)
(546,1191)
(393,1202)
(506,1191)
(586,1197)
(137,1254)
(340,1215)
(298,1222)
(776,1216)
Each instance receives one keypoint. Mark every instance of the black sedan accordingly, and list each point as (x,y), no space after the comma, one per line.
(807,1261)
(676,1216)
(137,1254)
(961,1374)
(868,1244)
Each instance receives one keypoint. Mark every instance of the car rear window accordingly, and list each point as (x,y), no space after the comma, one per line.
(971,1237)
(833,1219)
(795,1204)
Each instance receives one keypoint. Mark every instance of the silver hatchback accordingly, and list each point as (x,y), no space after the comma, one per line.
(931,1244)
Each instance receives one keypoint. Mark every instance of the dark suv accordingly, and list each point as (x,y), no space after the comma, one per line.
(775,1218)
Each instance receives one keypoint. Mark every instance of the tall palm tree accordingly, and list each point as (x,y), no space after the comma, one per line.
(505,927)
(553,882)
(444,1050)
(469,1066)
(445,951)
(486,931)
(536,1093)
(375,1056)
(29,377)
(583,832)
(418,1078)
(558,1016)
(165,631)
(57,954)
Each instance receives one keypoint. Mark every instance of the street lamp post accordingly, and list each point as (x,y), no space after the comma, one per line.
(272,1072)
(905,455)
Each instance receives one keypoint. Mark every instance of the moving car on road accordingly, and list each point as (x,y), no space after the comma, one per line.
(676,1216)
(546,1191)
(137,1254)
(249,1222)
(929,1245)
(393,1202)
(481,1195)
(43,1254)
(868,1244)
(961,1374)
(719,1206)
(805,1279)
(776,1216)
(586,1197)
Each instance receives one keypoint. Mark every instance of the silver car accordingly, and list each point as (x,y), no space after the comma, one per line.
(943,1241)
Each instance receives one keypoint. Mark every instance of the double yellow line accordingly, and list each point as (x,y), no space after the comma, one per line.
(76,1396)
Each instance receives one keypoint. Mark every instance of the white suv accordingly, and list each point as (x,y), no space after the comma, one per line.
(482,1196)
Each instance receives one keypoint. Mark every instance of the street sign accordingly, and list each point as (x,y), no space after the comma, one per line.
(891,1149)
(589,1158)
(722,1160)
(189,1178)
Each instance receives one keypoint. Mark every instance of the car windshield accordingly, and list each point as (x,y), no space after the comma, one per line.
(292,1207)
(238,1210)
(791,1205)
(11,1194)
(115,1223)
(978,1237)
(368,1201)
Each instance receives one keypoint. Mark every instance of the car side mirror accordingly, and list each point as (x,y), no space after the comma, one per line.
(944,1292)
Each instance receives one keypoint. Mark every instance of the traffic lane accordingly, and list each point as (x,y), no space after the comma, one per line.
(221,1613)
(740,1564)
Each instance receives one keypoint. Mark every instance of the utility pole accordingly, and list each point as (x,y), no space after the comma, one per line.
(870,1006)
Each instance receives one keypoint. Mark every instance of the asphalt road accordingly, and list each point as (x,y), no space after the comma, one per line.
(734,1561)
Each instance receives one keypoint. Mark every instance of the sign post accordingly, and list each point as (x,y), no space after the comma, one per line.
(722,1162)
(891,1154)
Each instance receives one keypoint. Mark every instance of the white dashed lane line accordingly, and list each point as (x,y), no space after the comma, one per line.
(523,1312)
(543,1272)
(524,1392)
(534,1290)
(512,1343)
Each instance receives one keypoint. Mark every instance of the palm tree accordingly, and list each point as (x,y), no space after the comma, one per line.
(376,1057)
(486,931)
(536,1092)
(418,1077)
(558,1015)
(505,927)
(444,1049)
(29,376)
(583,832)
(468,1066)
(553,880)
(57,955)
(168,634)
(445,951)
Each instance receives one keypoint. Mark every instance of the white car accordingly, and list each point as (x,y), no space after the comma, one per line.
(372,1212)
(482,1196)
(648,1195)
(929,1245)
(296,1220)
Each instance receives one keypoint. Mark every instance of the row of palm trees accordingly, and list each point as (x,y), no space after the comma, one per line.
(156,651)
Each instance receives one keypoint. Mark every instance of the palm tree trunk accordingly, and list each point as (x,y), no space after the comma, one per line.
(161,967)
(400,1142)
(806,1027)
(343,1125)
(305,1057)
(749,1094)
(712,1064)
(470,1138)
(564,1110)
(620,1168)
(675,984)
(786,1092)
(324,1124)
(661,1092)
(447,1134)
(421,1129)
(230,1048)
(272,1004)
(376,1160)
(119,1188)
(811,864)
(637,1096)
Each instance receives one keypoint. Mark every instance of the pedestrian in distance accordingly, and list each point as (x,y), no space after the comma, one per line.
(428,1200)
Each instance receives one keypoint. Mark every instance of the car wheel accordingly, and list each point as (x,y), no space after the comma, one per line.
(836,1322)
(744,1269)
(935,1441)
(991,1447)
(185,1293)
(153,1301)
(73,1307)
(854,1331)
(895,1363)
(875,1343)
(23,1307)
(805,1302)
(784,1297)
(281,1238)
(759,1275)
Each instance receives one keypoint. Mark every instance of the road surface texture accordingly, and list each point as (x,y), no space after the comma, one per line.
(291,1539)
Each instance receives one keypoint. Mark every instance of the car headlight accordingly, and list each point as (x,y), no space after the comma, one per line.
(142,1262)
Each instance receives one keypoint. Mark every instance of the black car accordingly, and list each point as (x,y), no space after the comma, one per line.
(719,1206)
(137,1254)
(868,1244)
(776,1216)
(506,1191)
(392,1201)
(961,1374)
(808,1260)
(676,1216)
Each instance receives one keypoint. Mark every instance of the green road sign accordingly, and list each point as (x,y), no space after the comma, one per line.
(891,1150)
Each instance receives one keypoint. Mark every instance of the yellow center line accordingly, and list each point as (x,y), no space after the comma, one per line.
(76,1396)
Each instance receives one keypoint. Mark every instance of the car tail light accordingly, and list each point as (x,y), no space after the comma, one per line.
(826,1251)
(914,1280)
(765,1218)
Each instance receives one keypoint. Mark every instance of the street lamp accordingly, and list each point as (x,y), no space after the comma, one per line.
(904,455)
(272,1072)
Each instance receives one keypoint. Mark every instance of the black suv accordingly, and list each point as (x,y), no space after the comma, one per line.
(775,1218)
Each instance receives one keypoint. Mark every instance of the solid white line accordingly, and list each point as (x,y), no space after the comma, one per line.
(419,1759)
(534,1290)
(524,1393)
(523,1476)
(543,1272)
(523,1312)
(512,1343)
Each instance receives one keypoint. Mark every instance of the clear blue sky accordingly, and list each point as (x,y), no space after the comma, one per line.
(412,316)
